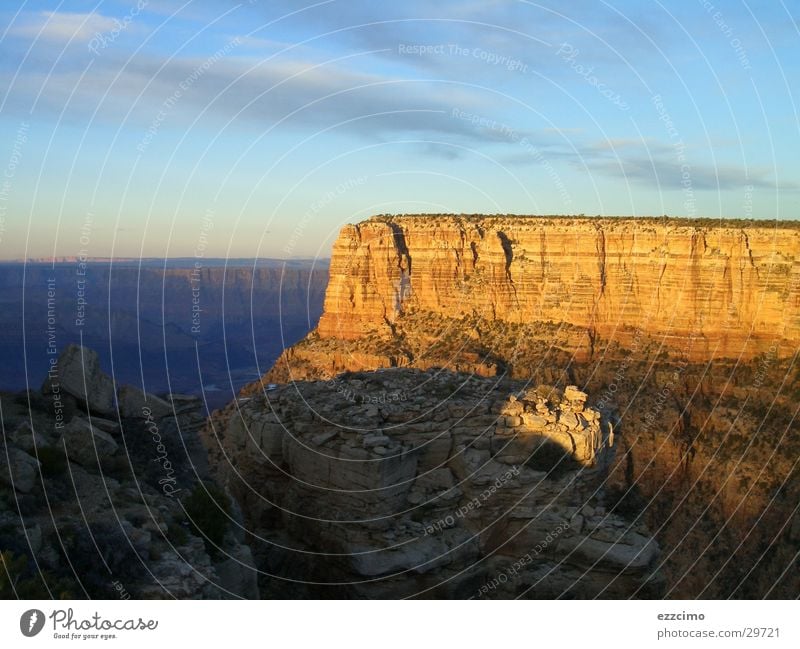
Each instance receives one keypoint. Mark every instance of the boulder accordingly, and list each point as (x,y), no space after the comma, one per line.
(107,425)
(134,403)
(375,440)
(421,555)
(85,443)
(569,419)
(631,554)
(33,535)
(534,422)
(79,374)
(512,407)
(238,575)
(20,471)
(26,438)
(573,394)
(434,488)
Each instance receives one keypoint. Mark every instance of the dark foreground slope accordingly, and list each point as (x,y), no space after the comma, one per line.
(107,494)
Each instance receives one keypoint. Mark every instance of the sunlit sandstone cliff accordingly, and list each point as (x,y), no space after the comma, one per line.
(482,293)
(726,287)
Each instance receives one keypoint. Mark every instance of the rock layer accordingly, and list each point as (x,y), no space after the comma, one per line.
(685,333)
(727,287)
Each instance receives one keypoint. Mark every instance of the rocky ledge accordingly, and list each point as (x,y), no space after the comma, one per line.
(403,483)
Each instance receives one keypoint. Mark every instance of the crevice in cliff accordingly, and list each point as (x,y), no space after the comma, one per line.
(508,251)
(403,287)
(391,326)
(658,286)
(402,248)
(696,271)
(505,242)
(601,259)
(698,237)
(749,252)
(543,253)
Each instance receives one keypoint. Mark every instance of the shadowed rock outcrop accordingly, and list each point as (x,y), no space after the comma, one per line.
(404,483)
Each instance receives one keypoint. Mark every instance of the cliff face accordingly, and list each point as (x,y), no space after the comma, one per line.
(723,290)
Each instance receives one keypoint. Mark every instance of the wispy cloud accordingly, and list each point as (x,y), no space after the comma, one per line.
(247,90)
(658,171)
(651,163)
(64,27)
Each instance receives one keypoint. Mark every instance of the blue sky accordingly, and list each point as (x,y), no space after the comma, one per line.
(257,128)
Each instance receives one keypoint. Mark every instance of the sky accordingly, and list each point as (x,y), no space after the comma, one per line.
(258,128)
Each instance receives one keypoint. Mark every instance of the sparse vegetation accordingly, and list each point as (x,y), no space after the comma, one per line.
(20,580)
(208,509)
(697,222)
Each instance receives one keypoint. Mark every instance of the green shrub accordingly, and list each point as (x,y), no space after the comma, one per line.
(208,510)
(177,535)
(19,581)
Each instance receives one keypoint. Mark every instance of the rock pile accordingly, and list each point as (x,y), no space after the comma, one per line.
(532,430)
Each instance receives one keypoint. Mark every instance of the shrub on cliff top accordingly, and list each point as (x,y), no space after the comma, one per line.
(207,509)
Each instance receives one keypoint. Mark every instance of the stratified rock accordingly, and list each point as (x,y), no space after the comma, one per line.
(79,374)
(679,329)
(593,278)
(85,443)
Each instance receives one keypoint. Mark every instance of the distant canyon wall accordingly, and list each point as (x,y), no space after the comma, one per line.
(158,321)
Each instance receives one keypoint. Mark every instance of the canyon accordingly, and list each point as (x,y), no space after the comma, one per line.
(489,407)
(682,334)
(175,325)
